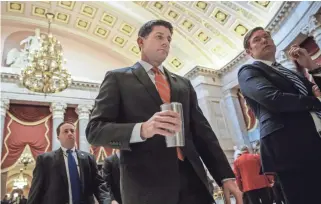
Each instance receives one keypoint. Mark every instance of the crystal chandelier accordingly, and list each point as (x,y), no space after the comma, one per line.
(44,72)
(20,182)
(26,159)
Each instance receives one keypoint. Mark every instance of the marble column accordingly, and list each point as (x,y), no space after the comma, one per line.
(235,118)
(58,114)
(314,28)
(83,112)
(4,177)
(3,109)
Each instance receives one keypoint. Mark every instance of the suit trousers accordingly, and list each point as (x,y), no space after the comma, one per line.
(259,196)
(192,189)
(302,185)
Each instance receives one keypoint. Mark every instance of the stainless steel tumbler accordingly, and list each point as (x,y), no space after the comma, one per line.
(178,139)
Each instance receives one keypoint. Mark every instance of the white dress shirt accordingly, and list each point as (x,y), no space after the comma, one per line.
(74,154)
(135,137)
(316,119)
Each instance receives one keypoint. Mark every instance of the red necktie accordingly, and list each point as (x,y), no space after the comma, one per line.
(165,94)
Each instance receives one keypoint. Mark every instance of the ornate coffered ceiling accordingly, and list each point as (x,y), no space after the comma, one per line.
(207,34)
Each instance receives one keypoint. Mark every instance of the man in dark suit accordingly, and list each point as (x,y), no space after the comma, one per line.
(67,175)
(288,107)
(112,177)
(127,116)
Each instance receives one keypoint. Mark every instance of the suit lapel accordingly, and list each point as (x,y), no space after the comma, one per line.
(143,77)
(268,69)
(59,158)
(81,162)
(174,86)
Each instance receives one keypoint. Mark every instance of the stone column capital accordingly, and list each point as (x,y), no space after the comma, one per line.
(231,93)
(5,104)
(286,62)
(83,110)
(58,109)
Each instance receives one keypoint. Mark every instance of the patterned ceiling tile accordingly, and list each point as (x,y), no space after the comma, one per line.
(203,37)
(38,11)
(120,41)
(219,51)
(201,5)
(88,10)
(174,15)
(135,49)
(240,30)
(262,4)
(67,4)
(127,29)
(101,32)
(108,19)
(82,24)
(187,24)
(62,17)
(176,63)
(220,16)
(159,6)
(16,7)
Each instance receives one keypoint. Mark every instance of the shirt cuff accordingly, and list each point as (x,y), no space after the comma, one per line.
(319,98)
(135,137)
(227,179)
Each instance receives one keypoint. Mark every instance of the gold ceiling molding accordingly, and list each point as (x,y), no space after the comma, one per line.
(220,16)
(108,19)
(261,4)
(82,24)
(101,32)
(120,41)
(67,4)
(135,49)
(38,11)
(88,11)
(203,71)
(201,5)
(176,63)
(62,17)
(16,7)
(127,29)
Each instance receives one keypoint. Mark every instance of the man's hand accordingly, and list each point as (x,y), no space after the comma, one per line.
(230,187)
(161,123)
(302,57)
(316,91)
(114,202)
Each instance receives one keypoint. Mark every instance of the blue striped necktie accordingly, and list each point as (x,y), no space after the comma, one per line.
(298,83)
(74,178)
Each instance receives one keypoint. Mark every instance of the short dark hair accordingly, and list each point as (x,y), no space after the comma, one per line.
(147,28)
(248,35)
(61,124)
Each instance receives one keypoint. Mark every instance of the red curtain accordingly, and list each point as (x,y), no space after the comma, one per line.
(25,125)
(100,152)
(312,48)
(72,116)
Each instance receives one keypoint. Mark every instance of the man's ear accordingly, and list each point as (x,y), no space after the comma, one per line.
(140,42)
(248,51)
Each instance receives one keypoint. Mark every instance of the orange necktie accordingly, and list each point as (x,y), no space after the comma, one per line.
(165,94)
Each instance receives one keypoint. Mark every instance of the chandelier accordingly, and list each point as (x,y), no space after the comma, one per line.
(20,182)
(44,72)
(26,159)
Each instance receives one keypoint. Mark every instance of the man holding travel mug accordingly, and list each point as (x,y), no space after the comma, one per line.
(127,116)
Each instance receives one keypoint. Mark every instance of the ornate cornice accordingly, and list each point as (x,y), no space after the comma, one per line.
(273,26)
(76,84)
(203,71)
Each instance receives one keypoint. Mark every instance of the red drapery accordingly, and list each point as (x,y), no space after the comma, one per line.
(101,152)
(312,48)
(25,125)
(72,116)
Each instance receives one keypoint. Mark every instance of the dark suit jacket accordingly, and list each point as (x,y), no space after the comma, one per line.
(50,185)
(149,170)
(112,177)
(287,130)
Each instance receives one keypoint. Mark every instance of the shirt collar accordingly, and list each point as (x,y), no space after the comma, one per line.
(269,63)
(65,149)
(148,66)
